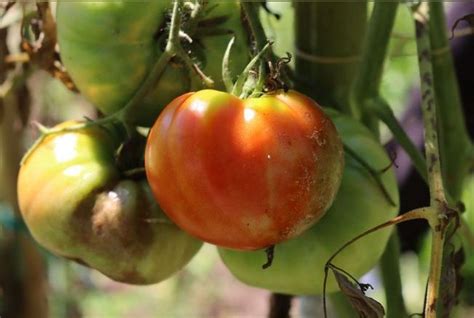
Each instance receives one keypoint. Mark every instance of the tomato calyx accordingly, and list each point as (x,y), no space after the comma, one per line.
(264,73)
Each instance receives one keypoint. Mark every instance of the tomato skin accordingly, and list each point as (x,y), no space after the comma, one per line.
(298,264)
(109,47)
(76,205)
(244,174)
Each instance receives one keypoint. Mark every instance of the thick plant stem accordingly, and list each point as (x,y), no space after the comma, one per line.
(328,39)
(439,218)
(260,42)
(457,152)
(367,82)
(435,181)
(390,263)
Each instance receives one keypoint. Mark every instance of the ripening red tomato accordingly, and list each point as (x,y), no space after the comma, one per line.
(244,174)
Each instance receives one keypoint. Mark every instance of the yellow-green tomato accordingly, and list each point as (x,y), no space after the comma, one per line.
(109,47)
(76,204)
(298,264)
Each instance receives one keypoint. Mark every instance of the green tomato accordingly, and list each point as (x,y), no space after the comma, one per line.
(109,48)
(76,204)
(298,266)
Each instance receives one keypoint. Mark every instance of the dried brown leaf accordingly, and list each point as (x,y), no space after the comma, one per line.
(451,279)
(365,306)
(43,52)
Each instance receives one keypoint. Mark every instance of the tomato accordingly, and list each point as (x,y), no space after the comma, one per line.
(298,264)
(76,204)
(109,48)
(244,174)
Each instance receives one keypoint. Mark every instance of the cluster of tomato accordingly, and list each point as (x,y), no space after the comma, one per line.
(243,174)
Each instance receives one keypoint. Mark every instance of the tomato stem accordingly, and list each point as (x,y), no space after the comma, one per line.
(251,10)
(328,42)
(456,149)
(440,215)
(366,85)
(251,13)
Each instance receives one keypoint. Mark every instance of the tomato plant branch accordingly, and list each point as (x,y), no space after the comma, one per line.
(439,217)
(435,181)
(251,10)
(456,149)
(367,82)
(251,13)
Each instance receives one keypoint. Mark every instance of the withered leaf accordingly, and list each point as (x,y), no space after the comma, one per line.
(365,306)
(451,279)
(43,51)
